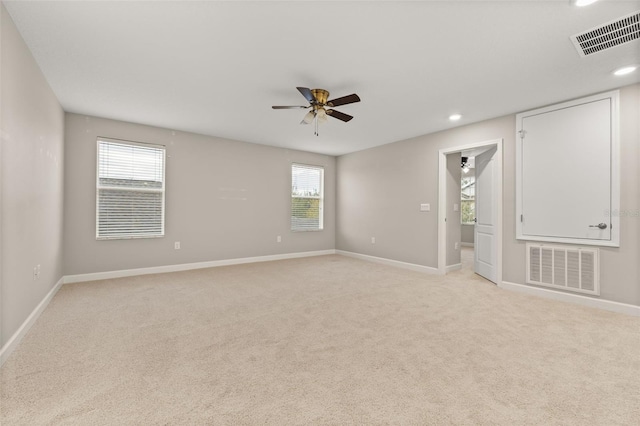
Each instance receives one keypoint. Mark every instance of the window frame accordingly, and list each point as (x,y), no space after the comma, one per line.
(320,198)
(161,190)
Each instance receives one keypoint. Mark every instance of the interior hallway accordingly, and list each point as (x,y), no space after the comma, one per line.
(466,258)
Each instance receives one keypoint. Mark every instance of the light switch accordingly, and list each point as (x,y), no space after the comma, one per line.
(456,207)
(425,207)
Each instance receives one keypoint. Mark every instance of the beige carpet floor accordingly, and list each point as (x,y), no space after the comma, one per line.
(324,340)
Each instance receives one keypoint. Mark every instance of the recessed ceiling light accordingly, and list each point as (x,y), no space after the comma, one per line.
(581,3)
(625,70)
(455,117)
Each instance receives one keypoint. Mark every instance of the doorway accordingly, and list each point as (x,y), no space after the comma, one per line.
(467,210)
(487,253)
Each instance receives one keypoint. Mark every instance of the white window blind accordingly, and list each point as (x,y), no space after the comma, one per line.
(130,190)
(307,197)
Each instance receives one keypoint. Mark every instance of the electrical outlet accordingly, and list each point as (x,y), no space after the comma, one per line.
(373,240)
(457,245)
(278,239)
(176,245)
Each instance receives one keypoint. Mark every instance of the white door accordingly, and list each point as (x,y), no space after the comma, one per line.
(566,172)
(486,247)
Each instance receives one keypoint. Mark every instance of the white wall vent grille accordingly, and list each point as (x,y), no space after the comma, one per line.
(565,267)
(606,36)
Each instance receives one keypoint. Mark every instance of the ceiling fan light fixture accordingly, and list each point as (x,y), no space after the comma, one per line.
(308,118)
(322,115)
(464,163)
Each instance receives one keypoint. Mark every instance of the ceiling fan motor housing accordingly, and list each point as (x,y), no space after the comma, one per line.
(320,95)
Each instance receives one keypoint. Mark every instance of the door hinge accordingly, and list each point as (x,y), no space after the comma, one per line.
(522,133)
(521,218)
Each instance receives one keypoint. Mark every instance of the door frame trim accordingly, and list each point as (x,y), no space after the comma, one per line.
(442,197)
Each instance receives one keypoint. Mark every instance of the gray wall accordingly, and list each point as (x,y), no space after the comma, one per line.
(454,173)
(224,200)
(32,126)
(467,234)
(620,274)
(379,191)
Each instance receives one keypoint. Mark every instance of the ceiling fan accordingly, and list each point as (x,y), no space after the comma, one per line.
(318,102)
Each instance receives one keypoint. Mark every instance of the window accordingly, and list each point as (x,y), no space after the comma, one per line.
(307,197)
(130,190)
(468,200)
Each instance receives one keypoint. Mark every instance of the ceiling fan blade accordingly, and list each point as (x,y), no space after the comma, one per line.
(288,107)
(306,92)
(339,115)
(349,99)
(308,118)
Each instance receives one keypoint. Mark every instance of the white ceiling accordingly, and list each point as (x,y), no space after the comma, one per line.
(215,67)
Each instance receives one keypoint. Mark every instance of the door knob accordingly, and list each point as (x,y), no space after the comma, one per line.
(600,225)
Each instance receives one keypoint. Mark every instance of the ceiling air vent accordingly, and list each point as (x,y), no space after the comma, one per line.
(611,34)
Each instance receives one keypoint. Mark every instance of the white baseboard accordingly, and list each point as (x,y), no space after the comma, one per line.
(188,266)
(452,268)
(390,262)
(12,343)
(467,244)
(607,305)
